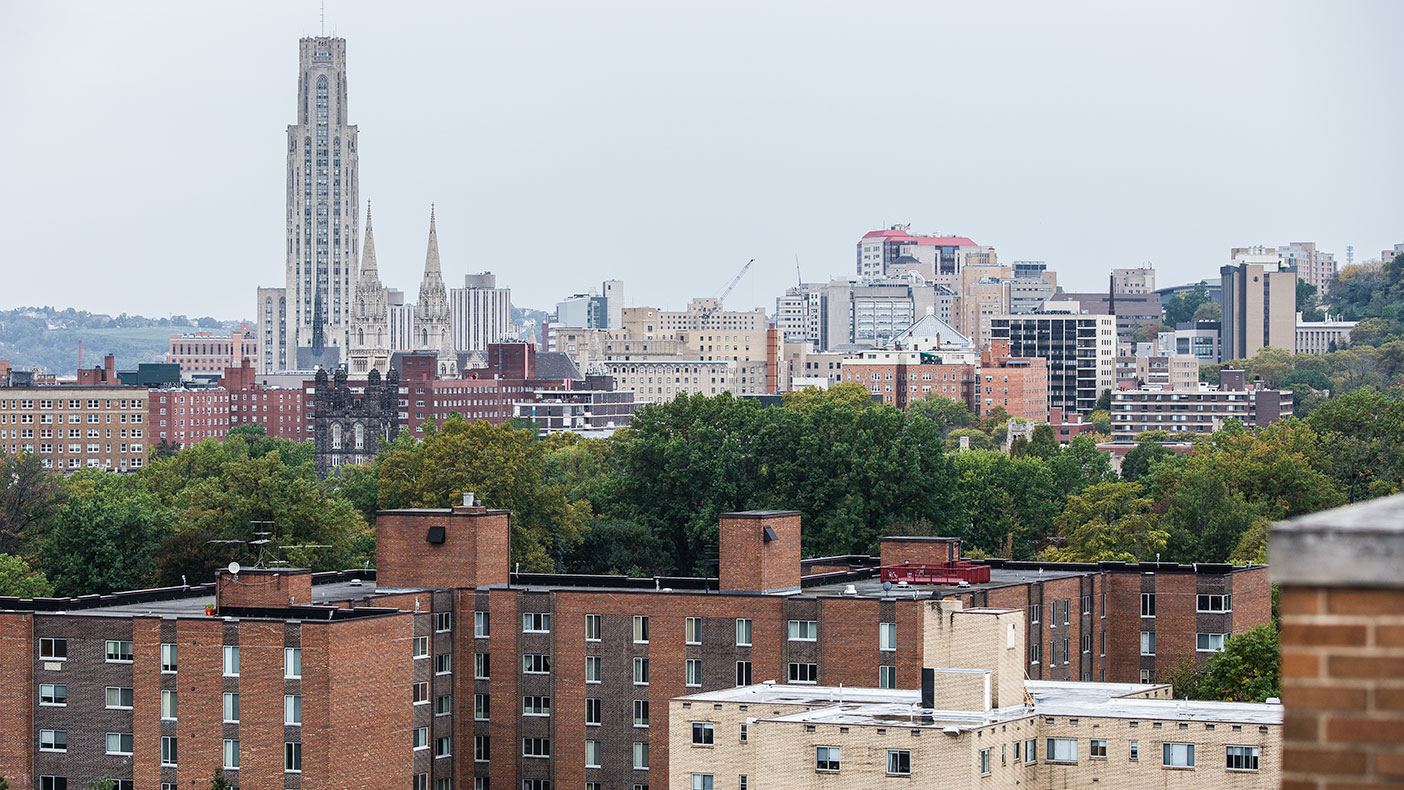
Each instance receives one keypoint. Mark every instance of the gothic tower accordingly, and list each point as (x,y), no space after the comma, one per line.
(431,314)
(369,335)
(308,322)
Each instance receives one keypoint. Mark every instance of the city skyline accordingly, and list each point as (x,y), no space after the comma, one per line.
(573,130)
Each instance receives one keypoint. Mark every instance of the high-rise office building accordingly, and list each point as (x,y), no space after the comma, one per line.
(1080,350)
(1259,304)
(308,321)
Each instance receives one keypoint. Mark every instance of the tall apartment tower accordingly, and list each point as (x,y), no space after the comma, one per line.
(1259,306)
(480,312)
(322,225)
(431,317)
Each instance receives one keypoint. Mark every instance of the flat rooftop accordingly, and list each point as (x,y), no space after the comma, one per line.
(1066,699)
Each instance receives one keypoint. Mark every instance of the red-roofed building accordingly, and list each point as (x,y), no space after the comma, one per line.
(896,250)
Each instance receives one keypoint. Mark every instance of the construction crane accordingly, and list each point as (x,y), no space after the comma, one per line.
(727,291)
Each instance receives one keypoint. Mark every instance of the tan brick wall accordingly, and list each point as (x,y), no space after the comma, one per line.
(1343,686)
(1119,772)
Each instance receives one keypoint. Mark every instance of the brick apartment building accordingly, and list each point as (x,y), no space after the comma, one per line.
(183,416)
(442,668)
(1200,410)
(280,410)
(72,426)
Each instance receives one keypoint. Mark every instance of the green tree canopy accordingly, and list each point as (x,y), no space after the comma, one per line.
(17,578)
(1248,669)
(1108,521)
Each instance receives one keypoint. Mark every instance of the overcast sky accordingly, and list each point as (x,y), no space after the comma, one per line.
(662,143)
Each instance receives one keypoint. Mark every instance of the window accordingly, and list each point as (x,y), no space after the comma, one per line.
(1134,752)
(168,657)
(745,733)
(640,756)
(421,647)
(59,783)
(420,737)
(640,629)
(1035,653)
(594,627)
(592,754)
(443,622)
(804,673)
(119,697)
(443,705)
(593,712)
(887,636)
(536,747)
(168,750)
(1035,614)
(536,784)
(899,762)
(420,692)
(119,743)
(743,673)
(702,782)
(1062,750)
(887,677)
(231,753)
(693,672)
(743,632)
(53,694)
(1241,758)
(292,662)
(826,758)
(1214,603)
(1148,604)
(443,663)
(231,707)
(594,669)
(443,747)
(1087,604)
(1147,675)
(53,740)
(804,630)
(231,661)
(640,713)
(119,651)
(1177,755)
(480,625)
(1097,748)
(536,706)
(640,671)
(1209,643)
(1066,652)
(742,785)
(536,623)
(692,629)
(480,666)
(481,752)
(1030,750)
(53,649)
(1147,643)
(168,705)
(984,761)
(1067,604)
(292,757)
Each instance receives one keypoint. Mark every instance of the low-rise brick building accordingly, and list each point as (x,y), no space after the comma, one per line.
(443,668)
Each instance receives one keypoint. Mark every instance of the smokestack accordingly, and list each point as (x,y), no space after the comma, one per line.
(928,689)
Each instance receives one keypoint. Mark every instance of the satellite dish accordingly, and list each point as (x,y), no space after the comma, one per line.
(234,568)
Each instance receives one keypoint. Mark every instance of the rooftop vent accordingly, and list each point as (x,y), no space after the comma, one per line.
(768,533)
(436,534)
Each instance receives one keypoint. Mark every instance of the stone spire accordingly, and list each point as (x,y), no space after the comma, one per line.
(368,250)
(431,314)
(369,311)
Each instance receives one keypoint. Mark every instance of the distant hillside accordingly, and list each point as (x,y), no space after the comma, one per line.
(46,338)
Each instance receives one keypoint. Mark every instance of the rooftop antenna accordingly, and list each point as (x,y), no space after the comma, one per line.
(324,17)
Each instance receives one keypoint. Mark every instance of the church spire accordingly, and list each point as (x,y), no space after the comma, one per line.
(431,258)
(368,248)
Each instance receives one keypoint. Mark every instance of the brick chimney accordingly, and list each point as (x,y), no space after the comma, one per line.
(760,551)
(1342,605)
(463,546)
(267,588)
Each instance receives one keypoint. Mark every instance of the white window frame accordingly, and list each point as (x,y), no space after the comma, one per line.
(230,711)
(421,647)
(692,677)
(1244,754)
(170,751)
(1147,643)
(481,625)
(292,710)
(640,671)
(804,630)
(887,637)
(536,622)
(230,754)
(52,695)
(292,757)
(419,738)
(1061,750)
(292,662)
(53,737)
(828,759)
(118,651)
(895,758)
(231,661)
(594,627)
(743,631)
(1204,638)
(887,676)
(594,669)
(48,648)
(1176,755)
(593,753)
(794,672)
(108,694)
(692,631)
(640,629)
(169,653)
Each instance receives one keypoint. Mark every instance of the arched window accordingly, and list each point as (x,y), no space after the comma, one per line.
(336,436)
(360,337)
(360,436)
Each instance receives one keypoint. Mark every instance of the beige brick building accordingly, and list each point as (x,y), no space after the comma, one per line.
(72,427)
(977,723)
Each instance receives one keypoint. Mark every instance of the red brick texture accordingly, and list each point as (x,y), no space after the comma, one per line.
(474,553)
(273,588)
(146,702)
(201,733)
(17,655)
(919,551)
(749,563)
(1342,687)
